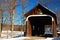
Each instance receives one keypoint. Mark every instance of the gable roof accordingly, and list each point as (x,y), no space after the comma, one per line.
(45,10)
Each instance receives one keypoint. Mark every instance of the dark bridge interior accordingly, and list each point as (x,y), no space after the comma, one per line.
(38,23)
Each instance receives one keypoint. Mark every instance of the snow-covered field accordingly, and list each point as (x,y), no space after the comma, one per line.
(8,34)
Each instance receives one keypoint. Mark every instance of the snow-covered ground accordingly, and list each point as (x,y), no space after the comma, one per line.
(31,38)
(8,34)
(18,35)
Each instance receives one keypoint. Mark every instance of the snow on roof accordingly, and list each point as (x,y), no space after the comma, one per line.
(47,8)
(39,15)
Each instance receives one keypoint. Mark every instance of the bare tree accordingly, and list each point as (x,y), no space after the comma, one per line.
(24,4)
(8,5)
(1,17)
(12,10)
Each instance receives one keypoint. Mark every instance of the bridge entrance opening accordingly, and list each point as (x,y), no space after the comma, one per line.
(38,24)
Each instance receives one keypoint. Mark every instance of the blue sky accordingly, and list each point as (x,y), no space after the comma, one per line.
(53,5)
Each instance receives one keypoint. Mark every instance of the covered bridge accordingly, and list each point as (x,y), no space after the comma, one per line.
(36,21)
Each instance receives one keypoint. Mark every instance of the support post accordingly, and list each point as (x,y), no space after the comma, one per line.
(29,30)
(54,29)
